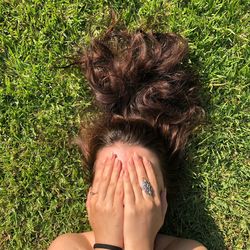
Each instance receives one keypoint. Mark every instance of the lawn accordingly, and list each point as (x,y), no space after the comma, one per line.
(42,189)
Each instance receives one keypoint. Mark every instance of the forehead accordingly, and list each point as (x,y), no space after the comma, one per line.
(126,151)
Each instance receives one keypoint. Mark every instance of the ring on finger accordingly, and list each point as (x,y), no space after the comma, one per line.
(93,193)
(147,187)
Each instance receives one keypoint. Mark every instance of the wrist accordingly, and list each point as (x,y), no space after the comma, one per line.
(141,245)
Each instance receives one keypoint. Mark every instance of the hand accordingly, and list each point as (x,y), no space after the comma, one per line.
(105,203)
(143,214)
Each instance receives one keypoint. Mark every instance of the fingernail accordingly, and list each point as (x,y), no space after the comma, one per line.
(136,156)
(148,161)
(143,159)
(113,155)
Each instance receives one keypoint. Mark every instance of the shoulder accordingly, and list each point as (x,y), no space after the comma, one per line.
(70,241)
(165,242)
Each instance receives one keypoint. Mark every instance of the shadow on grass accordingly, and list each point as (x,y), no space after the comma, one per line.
(187,216)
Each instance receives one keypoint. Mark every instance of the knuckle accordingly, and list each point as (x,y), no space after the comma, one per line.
(131,210)
(107,207)
(140,207)
(91,201)
(116,170)
(120,192)
(134,181)
(112,185)
(115,210)
(157,203)
(105,178)
(147,163)
(107,167)
(150,205)
(97,205)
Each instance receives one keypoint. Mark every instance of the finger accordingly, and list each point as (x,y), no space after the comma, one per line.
(119,192)
(141,172)
(151,177)
(164,203)
(98,171)
(105,179)
(113,180)
(129,197)
(88,204)
(88,198)
(134,179)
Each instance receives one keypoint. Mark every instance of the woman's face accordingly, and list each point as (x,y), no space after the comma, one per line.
(125,151)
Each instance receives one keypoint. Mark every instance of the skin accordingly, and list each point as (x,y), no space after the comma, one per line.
(120,212)
(121,207)
(124,152)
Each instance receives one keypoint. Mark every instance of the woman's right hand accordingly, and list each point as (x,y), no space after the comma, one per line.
(105,203)
(143,214)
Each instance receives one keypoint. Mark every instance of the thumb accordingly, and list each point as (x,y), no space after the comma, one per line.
(164,204)
(89,207)
(88,201)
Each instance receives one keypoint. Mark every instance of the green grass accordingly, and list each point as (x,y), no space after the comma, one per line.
(42,190)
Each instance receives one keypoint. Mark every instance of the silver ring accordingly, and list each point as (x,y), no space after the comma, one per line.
(147,187)
(91,192)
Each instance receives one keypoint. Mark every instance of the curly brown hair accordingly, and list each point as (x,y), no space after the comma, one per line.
(146,93)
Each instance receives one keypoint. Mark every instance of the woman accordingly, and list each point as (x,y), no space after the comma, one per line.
(149,105)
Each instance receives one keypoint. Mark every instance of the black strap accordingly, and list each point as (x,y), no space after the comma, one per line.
(106,246)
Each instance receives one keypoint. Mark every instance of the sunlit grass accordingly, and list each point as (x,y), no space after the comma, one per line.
(42,190)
